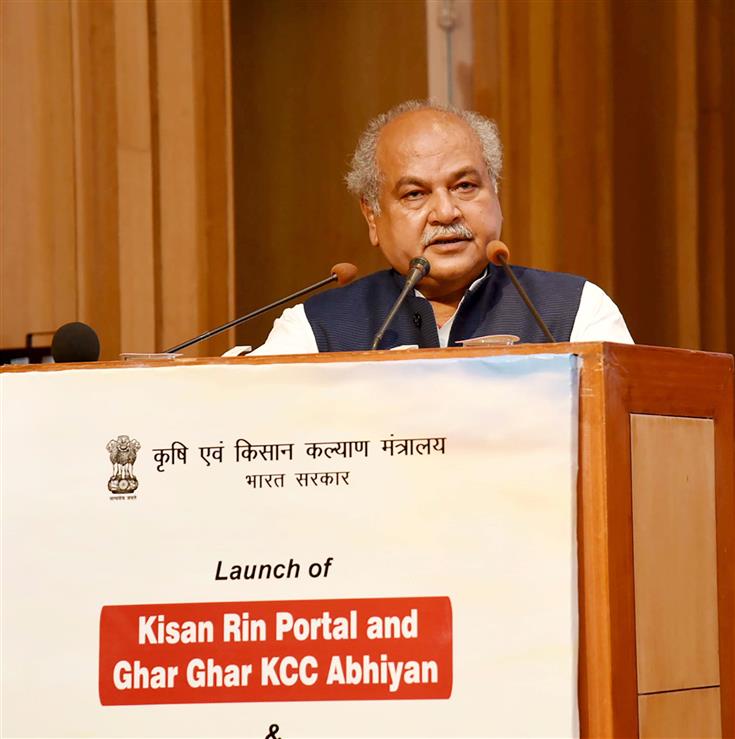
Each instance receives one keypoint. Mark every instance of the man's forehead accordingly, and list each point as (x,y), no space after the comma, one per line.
(425,133)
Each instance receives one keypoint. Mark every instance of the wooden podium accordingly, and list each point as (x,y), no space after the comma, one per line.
(656,532)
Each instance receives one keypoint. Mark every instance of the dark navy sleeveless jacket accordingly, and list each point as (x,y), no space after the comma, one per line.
(347,319)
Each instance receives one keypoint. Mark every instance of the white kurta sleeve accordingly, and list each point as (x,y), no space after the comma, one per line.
(291,334)
(598,318)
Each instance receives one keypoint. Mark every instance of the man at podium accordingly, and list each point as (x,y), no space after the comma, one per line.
(426,177)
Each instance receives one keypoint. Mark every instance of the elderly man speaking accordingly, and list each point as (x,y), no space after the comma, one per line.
(426,176)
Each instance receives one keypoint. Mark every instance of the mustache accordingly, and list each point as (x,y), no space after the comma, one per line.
(451,231)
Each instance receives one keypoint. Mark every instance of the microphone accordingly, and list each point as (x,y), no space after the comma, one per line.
(499,254)
(342,273)
(420,267)
(75,342)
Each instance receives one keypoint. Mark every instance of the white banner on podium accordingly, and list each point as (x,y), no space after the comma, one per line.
(301,550)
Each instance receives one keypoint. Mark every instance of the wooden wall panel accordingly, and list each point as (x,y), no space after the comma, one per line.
(615,115)
(584,137)
(686,174)
(716,76)
(619,167)
(215,145)
(193,175)
(542,71)
(38,278)
(96,176)
(542,95)
(724,12)
(137,239)
(116,200)
(181,209)
(643,156)
(307,77)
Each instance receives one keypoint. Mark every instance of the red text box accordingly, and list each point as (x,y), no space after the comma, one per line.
(351,649)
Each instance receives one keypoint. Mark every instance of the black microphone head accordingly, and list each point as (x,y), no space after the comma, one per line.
(75,342)
(420,263)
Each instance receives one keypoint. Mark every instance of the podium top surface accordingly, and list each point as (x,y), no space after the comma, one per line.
(603,351)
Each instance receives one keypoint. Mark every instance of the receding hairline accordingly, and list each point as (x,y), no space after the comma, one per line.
(364,177)
(434,113)
(410,178)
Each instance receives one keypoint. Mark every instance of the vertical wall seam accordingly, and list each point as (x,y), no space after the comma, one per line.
(231,264)
(76,144)
(155,172)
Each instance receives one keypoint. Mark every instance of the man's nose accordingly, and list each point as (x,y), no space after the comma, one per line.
(443,207)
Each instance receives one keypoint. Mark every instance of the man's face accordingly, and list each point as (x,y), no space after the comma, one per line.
(436,200)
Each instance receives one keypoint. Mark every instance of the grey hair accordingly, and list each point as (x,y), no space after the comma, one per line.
(363,179)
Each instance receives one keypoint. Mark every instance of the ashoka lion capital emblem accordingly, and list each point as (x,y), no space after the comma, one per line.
(123,452)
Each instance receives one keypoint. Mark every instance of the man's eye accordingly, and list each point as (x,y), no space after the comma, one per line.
(413,195)
(465,186)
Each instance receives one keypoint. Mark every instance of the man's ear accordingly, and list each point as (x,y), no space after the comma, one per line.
(369,215)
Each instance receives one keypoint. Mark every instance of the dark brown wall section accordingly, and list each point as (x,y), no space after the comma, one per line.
(617,116)
(306,78)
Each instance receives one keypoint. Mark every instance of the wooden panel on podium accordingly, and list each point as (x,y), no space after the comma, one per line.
(675,553)
(693,713)
(616,383)
(656,532)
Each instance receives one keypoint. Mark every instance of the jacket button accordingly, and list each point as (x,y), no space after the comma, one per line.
(417,320)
